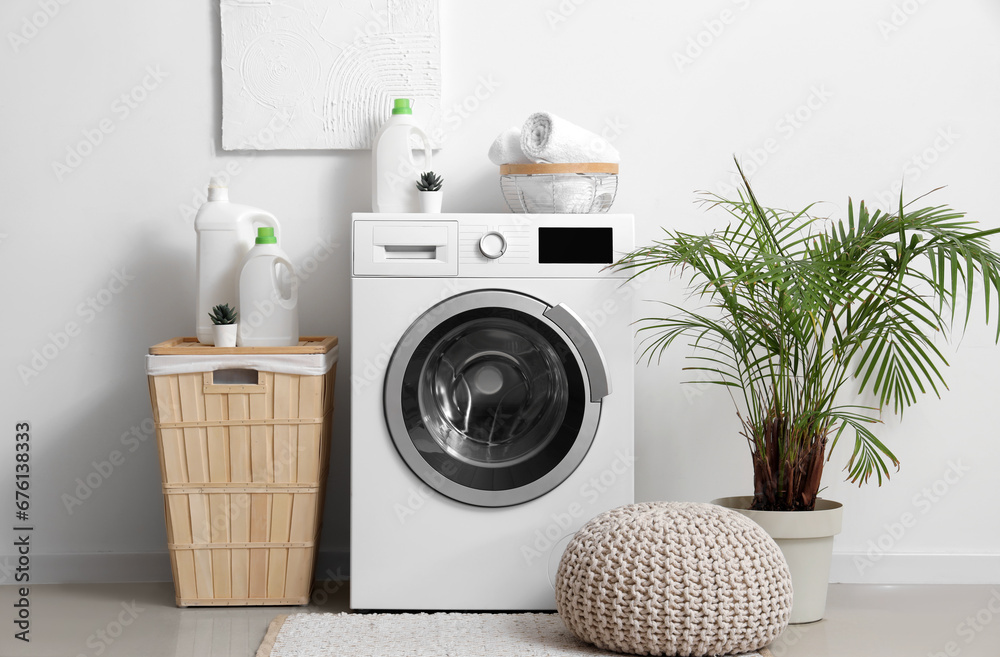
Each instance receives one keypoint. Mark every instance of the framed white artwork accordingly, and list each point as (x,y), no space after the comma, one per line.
(314,74)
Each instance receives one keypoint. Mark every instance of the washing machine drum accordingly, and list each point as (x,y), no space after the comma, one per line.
(490,399)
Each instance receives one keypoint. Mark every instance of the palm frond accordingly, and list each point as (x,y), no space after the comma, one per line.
(792,306)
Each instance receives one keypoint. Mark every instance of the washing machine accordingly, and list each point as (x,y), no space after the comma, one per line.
(491,402)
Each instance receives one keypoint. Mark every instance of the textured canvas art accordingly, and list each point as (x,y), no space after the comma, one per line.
(323,73)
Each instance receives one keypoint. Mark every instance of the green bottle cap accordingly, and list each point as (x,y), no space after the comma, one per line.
(265,235)
(402,106)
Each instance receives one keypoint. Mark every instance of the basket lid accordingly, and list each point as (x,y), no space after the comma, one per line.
(558,167)
(191,347)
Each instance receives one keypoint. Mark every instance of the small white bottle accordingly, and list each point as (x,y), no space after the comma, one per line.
(225,234)
(269,296)
(394,172)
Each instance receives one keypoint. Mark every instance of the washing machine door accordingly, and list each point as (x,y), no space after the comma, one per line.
(493,397)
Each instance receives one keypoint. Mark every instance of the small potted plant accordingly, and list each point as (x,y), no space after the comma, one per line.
(794,308)
(224,325)
(431,195)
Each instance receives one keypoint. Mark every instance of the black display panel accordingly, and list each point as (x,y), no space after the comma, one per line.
(575,245)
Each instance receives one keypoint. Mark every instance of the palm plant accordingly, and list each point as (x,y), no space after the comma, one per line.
(798,306)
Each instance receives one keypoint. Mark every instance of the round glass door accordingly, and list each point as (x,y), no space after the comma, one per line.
(487,401)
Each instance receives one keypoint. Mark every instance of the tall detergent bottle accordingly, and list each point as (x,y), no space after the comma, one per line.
(225,235)
(269,296)
(394,171)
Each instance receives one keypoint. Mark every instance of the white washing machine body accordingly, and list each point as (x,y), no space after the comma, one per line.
(491,403)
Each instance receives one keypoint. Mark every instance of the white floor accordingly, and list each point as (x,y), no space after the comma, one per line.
(140,620)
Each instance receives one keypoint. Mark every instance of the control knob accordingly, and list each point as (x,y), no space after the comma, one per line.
(493,244)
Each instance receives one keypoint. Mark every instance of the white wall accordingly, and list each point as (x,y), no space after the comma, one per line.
(878,100)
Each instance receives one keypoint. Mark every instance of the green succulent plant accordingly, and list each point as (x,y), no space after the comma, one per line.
(429,182)
(223,314)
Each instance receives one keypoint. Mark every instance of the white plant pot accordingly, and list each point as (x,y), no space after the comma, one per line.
(224,334)
(806,541)
(431,201)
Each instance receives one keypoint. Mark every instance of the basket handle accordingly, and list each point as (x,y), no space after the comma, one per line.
(211,387)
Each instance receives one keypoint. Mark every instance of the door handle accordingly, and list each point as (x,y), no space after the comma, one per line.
(586,344)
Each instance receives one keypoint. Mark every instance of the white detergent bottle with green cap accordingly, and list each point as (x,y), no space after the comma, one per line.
(269,296)
(394,171)
(225,234)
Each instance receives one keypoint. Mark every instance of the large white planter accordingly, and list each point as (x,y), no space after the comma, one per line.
(806,540)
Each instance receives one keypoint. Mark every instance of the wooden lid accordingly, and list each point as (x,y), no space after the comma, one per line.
(191,347)
(579,167)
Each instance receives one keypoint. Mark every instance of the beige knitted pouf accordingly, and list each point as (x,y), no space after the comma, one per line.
(673,578)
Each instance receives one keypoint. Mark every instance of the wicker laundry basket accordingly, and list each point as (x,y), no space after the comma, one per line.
(244,440)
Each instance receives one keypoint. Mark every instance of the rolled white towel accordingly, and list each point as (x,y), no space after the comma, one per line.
(506,148)
(547,138)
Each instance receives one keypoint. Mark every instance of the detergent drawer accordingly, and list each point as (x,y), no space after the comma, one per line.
(405,248)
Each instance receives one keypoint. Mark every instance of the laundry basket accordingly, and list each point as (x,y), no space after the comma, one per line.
(244,441)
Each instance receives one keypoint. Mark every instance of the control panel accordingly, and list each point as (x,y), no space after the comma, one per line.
(485,245)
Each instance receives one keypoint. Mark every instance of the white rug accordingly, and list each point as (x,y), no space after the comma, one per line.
(426,635)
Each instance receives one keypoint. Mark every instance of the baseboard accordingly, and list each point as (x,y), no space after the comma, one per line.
(847,568)
(108,567)
(880,568)
(93,567)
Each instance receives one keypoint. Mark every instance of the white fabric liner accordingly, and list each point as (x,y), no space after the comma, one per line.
(307,364)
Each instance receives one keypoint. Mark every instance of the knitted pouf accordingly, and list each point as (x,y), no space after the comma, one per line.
(672,578)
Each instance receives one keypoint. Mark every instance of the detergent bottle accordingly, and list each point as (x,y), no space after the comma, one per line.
(269,296)
(394,172)
(225,235)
